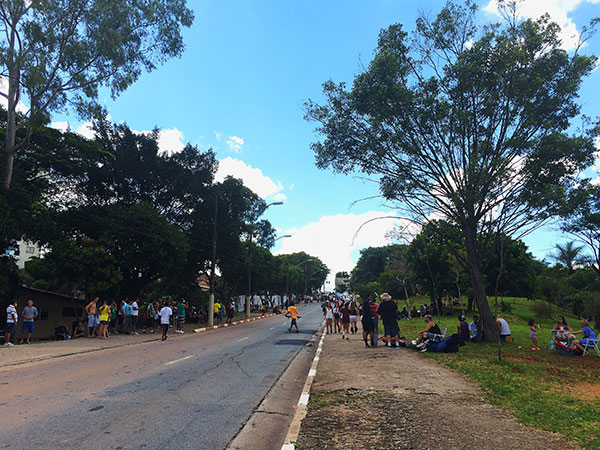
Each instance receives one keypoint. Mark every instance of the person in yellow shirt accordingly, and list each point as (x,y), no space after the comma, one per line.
(104,318)
(293,313)
(218,311)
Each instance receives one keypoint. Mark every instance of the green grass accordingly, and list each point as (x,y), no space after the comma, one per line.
(542,389)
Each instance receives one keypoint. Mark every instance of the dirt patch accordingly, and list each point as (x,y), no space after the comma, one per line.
(586,391)
(381,399)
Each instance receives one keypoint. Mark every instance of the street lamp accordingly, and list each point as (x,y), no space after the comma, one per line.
(260,213)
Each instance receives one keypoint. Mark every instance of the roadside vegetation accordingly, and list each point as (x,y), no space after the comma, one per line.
(542,389)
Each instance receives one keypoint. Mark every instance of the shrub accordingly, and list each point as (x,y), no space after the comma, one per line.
(540,308)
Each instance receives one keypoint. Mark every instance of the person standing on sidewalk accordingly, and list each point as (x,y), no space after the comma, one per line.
(104,319)
(165,315)
(11,321)
(90,309)
(30,312)
(389,313)
(367,321)
(181,307)
(135,312)
(345,319)
(375,316)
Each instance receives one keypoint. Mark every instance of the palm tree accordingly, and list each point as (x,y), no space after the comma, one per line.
(569,255)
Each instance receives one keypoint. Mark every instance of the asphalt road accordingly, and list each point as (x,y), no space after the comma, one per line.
(193,392)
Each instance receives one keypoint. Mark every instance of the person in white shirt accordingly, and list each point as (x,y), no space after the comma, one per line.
(135,311)
(11,319)
(503,328)
(165,315)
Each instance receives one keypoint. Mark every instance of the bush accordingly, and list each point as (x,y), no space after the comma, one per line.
(540,308)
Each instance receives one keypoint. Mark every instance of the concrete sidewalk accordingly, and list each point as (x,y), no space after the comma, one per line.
(44,350)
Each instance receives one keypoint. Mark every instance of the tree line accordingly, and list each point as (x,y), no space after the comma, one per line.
(118,218)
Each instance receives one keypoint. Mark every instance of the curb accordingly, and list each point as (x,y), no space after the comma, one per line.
(232,324)
(294,430)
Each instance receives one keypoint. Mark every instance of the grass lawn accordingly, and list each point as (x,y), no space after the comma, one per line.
(542,389)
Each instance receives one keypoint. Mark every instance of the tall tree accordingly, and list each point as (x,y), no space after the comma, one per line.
(568,254)
(467,123)
(57,54)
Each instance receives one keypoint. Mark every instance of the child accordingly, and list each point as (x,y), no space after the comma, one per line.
(533,327)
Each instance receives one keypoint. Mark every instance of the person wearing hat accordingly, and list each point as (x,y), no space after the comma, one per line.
(388,311)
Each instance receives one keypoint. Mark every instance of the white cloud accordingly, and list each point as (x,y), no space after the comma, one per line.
(218,136)
(251,176)
(169,141)
(557,9)
(292,186)
(280,197)
(234,143)
(62,126)
(21,107)
(332,238)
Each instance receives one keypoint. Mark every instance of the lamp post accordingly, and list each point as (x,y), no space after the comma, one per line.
(260,213)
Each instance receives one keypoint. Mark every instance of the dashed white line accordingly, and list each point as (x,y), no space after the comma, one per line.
(243,339)
(179,360)
(271,328)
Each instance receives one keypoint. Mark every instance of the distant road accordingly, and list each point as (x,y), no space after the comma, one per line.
(194,392)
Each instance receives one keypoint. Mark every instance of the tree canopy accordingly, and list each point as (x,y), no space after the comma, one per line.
(463,122)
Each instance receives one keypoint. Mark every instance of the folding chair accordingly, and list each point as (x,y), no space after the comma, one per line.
(439,337)
(591,344)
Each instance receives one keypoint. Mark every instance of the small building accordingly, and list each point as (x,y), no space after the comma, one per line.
(53,310)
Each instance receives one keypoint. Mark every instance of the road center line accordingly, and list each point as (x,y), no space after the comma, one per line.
(179,360)
(243,339)
(271,328)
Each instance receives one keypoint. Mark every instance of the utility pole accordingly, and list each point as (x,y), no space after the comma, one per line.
(213,263)
(248,297)
(260,212)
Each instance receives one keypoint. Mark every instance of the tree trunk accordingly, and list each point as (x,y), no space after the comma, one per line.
(11,119)
(486,319)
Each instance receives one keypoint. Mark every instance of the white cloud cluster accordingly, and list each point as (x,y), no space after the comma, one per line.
(234,143)
(169,140)
(333,239)
(558,10)
(251,176)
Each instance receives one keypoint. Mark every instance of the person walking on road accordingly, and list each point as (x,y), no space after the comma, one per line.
(353,317)
(388,311)
(375,317)
(165,315)
(91,310)
(30,312)
(11,322)
(293,313)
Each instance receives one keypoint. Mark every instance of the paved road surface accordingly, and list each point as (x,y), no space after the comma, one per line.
(194,392)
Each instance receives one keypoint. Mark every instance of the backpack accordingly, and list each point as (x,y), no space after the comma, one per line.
(446,345)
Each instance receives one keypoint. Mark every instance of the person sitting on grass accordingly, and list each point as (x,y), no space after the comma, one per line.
(430,330)
(562,329)
(474,328)
(463,330)
(588,334)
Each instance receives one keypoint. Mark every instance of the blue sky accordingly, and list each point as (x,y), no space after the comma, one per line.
(239,88)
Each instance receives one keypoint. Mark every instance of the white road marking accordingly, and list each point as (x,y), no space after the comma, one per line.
(271,328)
(304,399)
(179,360)
(243,339)
(312,373)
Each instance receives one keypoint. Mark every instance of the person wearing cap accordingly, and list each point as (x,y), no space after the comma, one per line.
(389,313)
